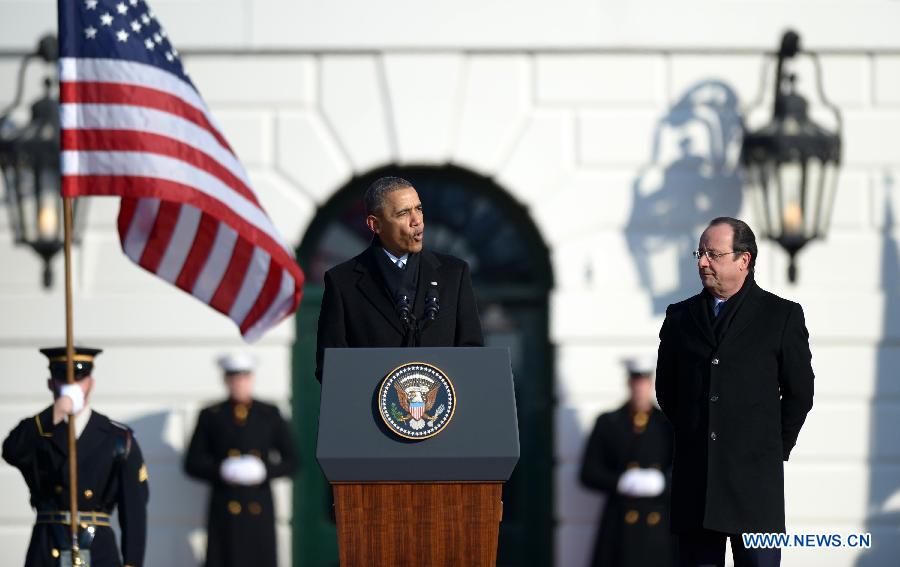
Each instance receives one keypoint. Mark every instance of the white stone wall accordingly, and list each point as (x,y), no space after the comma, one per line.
(614,123)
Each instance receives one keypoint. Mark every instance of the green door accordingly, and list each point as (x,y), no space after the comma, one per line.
(470,217)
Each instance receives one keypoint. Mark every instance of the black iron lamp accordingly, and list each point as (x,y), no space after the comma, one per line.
(792,162)
(29,158)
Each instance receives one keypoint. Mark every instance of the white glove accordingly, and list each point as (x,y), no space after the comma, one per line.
(642,483)
(246,470)
(74,393)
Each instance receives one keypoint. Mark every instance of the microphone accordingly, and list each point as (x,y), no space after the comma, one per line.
(432,305)
(402,306)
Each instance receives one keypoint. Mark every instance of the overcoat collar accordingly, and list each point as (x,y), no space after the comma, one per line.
(698,307)
(371,284)
(745,314)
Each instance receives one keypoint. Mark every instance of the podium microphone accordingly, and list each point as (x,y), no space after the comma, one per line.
(432,305)
(402,306)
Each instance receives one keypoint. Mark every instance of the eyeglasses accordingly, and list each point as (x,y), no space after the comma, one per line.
(710,255)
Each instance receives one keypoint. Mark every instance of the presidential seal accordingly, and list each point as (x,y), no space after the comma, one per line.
(416,400)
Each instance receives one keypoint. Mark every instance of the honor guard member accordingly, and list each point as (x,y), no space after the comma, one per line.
(239,445)
(395,293)
(111,473)
(628,457)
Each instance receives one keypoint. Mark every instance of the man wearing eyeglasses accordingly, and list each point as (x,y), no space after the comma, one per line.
(734,377)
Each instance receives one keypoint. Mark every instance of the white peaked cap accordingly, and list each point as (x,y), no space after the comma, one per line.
(237,362)
(640,364)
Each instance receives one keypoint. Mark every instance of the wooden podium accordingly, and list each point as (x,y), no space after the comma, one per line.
(430,502)
(465,533)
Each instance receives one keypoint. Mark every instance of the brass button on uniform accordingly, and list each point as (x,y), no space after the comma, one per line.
(255,508)
(641,418)
(88,494)
(234,507)
(652,518)
(54,552)
(632,516)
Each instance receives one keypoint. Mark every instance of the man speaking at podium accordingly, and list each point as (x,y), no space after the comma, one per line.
(394,293)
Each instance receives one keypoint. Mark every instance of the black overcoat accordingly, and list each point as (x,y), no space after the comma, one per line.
(737,401)
(633,532)
(240,519)
(111,475)
(357,310)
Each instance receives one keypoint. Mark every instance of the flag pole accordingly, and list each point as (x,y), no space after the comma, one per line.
(70,378)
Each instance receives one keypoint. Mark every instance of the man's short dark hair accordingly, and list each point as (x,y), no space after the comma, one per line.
(378,192)
(744,239)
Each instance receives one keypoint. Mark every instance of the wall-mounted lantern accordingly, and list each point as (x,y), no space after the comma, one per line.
(29,158)
(792,162)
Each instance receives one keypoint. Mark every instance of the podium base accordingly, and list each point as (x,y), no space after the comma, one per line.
(415,524)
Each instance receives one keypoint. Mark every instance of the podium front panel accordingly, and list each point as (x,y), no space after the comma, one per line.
(480,443)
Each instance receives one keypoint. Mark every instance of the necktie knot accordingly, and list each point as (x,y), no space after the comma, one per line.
(717,306)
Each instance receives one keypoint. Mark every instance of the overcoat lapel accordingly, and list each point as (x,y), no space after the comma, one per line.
(428,272)
(371,286)
(695,307)
(745,314)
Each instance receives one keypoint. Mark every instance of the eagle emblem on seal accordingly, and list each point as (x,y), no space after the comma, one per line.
(416,400)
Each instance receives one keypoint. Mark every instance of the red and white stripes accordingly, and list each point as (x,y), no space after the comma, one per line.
(188,213)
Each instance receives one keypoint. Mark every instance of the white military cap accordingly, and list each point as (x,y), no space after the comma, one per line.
(236,362)
(640,364)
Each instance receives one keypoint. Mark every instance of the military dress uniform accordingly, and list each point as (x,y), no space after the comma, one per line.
(111,475)
(634,531)
(241,519)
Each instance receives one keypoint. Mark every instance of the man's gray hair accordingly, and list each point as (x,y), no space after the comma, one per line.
(378,192)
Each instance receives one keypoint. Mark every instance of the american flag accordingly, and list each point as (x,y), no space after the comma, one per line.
(134,125)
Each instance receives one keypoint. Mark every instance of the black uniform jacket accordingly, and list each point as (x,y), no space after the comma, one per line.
(240,519)
(357,310)
(633,531)
(737,397)
(111,474)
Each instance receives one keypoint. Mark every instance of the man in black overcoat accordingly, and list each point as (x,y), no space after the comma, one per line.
(238,447)
(734,377)
(628,457)
(111,473)
(394,293)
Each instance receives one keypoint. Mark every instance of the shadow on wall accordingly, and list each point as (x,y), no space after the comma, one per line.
(883,513)
(693,176)
(582,508)
(177,504)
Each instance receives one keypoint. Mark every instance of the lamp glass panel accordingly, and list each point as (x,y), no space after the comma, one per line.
(790,180)
(8,177)
(49,215)
(772,198)
(828,178)
(26,193)
(757,181)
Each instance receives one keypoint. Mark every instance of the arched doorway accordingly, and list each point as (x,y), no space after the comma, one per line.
(468,216)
